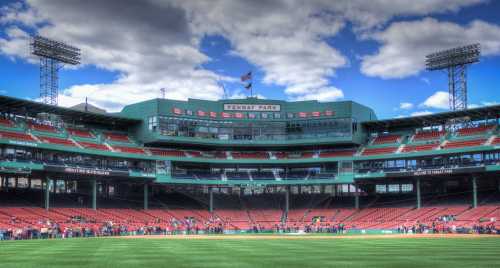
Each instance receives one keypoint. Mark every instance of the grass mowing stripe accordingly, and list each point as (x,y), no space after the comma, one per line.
(449,252)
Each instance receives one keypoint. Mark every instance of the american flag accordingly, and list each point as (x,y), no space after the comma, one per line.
(246,77)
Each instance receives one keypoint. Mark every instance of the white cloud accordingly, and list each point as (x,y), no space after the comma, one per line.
(405,44)
(406,105)
(482,104)
(425,80)
(420,113)
(16,44)
(149,44)
(283,38)
(322,94)
(373,14)
(155,44)
(239,94)
(489,103)
(438,100)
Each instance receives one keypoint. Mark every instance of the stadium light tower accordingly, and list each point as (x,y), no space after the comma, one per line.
(455,61)
(52,54)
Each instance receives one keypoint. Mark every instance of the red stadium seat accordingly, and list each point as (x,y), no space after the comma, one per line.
(93,146)
(58,141)
(475,130)
(420,147)
(15,136)
(119,137)
(80,133)
(131,150)
(339,153)
(250,155)
(376,151)
(496,141)
(462,143)
(167,153)
(6,122)
(42,128)
(386,139)
(428,135)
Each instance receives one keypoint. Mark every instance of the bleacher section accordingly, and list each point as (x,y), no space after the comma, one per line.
(42,128)
(82,133)
(10,135)
(386,139)
(428,135)
(377,151)
(58,141)
(127,149)
(386,143)
(293,155)
(420,147)
(472,131)
(263,219)
(339,153)
(117,137)
(464,143)
(6,122)
(162,152)
(250,155)
(496,141)
(93,146)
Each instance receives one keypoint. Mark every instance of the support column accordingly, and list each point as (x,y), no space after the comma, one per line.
(210,200)
(287,199)
(47,194)
(356,197)
(417,188)
(146,196)
(94,194)
(474,192)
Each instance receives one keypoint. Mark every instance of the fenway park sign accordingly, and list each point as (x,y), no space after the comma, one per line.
(436,172)
(252,107)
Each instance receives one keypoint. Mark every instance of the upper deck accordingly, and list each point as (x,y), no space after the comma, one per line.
(250,122)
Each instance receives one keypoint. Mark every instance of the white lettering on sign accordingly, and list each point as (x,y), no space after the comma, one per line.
(87,171)
(433,172)
(252,107)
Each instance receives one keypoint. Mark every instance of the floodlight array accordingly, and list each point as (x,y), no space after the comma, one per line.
(453,57)
(47,48)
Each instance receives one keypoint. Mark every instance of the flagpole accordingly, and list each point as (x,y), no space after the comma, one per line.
(251,84)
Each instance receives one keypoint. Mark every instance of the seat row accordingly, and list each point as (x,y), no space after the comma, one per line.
(368,218)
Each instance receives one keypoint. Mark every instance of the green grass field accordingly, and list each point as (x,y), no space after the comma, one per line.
(245,252)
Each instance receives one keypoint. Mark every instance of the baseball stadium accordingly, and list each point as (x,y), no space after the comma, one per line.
(249,133)
(258,170)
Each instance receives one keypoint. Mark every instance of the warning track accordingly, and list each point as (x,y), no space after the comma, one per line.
(305,236)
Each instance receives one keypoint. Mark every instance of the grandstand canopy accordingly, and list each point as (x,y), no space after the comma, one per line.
(482,113)
(32,109)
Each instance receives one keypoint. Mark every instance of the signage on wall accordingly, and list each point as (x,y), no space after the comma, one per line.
(436,172)
(85,171)
(252,107)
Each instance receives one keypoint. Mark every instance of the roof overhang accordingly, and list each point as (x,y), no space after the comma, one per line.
(488,112)
(31,108)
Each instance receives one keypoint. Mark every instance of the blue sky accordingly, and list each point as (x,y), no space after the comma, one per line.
(366,52)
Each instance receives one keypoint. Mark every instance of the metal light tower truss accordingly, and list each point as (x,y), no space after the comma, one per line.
(455,62)
(53,54)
